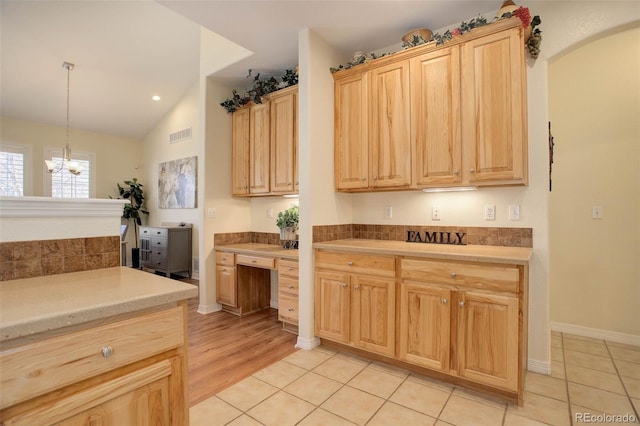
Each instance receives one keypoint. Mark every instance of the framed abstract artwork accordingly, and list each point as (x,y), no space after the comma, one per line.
(177,184)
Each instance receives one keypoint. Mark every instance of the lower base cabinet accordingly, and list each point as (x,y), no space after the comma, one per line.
(129,372)
(464,320)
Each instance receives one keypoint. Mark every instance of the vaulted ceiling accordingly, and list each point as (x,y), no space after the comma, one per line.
(127,51)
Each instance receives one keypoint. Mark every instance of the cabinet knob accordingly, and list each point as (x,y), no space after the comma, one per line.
(290,269)
(472,171)
(344,285)
(444,300)
(356,287)
(363,178)
(455,172)
(289,286)
(254,261)
(107,351)
(290,309)
(289,183)
(375,177)
(350,263)
(461,303)
(453,275)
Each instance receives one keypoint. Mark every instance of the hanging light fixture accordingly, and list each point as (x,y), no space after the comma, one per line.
(73,166)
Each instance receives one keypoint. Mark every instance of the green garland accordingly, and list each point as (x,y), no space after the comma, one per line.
(259,89)
(533,44)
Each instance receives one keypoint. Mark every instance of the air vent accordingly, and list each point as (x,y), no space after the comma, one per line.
(180,135)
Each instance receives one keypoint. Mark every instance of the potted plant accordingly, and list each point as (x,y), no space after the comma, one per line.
(132,191)
(288,223)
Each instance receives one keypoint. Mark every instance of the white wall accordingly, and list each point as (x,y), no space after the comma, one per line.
(594,105)
(157,149)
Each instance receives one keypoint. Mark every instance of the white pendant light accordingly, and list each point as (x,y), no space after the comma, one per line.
(73,166)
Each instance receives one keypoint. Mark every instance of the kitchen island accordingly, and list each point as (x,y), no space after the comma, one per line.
(105,344)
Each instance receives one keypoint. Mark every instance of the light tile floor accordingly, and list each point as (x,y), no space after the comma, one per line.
(322,387)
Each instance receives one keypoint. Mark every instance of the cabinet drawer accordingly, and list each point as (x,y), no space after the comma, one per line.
(153,232)
(287,308)
(485,277)
(288,285)
(288,268)
(158,243)
(256,261)
(355,262)
(43,366)
(224,258)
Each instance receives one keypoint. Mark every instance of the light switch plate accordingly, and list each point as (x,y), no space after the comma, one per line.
(514,212)
(388,212)
(597,212)
(211,212)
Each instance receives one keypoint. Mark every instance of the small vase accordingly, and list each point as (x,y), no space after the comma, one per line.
(288,233)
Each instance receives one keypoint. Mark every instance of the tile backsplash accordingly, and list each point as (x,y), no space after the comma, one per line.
(27,259)
(511,237)
(246,237)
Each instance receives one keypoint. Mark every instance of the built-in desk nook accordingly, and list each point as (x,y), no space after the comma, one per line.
(243,279)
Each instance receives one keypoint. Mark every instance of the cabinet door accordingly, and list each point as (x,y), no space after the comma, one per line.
(332,306)
(240,151)
(283,142)
(495,113)
(226,291)
(435,113)
(373,316)
(259,138)
(351,144)
(488,339)
(425,325)
(390,143)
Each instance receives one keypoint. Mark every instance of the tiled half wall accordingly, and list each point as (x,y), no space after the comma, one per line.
(27,259)
(511,237)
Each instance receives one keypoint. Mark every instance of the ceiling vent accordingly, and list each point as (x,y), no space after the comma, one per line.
(180,135)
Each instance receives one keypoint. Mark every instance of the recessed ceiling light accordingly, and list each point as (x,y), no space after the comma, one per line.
(155,98)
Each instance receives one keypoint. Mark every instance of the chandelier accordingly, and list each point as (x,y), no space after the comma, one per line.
(73,166)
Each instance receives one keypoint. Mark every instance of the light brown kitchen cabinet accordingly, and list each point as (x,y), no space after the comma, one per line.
(390,123)
(288,292)
(265,146)
(259,148)
(226,290)
(284,141)
(127,371)
(355,300)
(435,111)
(351,145)
(240,131)
(435,115)
(494,108)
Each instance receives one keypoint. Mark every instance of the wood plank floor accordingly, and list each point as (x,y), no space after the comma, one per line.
(224,348)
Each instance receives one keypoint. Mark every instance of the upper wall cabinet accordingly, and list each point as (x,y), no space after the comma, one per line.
(264,146)
(435,116)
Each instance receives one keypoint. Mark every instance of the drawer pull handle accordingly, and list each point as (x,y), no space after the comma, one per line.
(453,275)
(254,261)
(461,303)
(107,351)
(350,263)
(290,309)
(444,300)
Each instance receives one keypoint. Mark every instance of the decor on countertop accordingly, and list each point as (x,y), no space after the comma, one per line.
(260,88)
(177,183)
(287,221)
(66,162)
(508,10)
(454,238)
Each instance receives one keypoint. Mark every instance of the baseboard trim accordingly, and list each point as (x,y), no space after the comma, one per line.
(207,309)
(614,336)
(537,366)
(307,344)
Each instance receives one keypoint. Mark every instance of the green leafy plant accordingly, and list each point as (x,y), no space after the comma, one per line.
(259,88)
(132,191)
(288,218)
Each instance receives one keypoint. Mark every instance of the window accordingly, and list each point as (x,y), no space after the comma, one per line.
(67,185)
(14,160)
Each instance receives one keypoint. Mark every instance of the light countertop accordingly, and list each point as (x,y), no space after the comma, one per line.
(34,305)
(257,249)
(475,253)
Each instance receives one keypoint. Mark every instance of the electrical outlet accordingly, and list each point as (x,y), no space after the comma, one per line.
(270,213)
(388,212)
(597,212)
(435,213)
(490,212)
(514,212)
